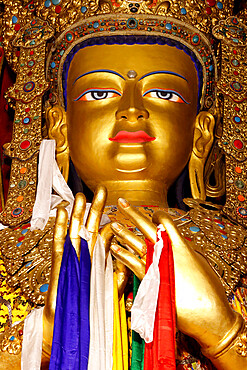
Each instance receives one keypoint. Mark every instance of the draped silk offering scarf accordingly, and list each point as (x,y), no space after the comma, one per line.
(70,346)
(49,178)
(138,344)
(153,311)
(101,310)
(160,354)
(120,336)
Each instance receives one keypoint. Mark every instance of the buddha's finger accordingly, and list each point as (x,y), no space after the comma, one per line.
(134,263)
(123,274)
(95,214)
(76,221)
(60,232)
(127,237)
(139,220)
(162,217)
(107,235)
(96,210)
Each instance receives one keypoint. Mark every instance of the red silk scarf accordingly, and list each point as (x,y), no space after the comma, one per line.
(160,354)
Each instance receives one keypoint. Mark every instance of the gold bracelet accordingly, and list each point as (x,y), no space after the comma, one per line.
(236,336)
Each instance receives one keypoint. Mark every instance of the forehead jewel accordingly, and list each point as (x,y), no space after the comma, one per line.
(132,74)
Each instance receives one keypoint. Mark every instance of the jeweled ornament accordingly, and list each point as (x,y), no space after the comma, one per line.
(29,86)
(24,145)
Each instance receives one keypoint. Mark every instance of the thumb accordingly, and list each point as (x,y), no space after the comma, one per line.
(177,240)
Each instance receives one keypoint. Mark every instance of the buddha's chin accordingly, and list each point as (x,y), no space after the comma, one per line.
(131,158)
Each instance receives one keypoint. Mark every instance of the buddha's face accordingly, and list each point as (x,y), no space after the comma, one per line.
(131,111)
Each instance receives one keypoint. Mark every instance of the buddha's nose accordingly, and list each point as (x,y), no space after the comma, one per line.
(131,106)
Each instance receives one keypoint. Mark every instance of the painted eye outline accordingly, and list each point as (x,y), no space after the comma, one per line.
(175,96)
(83,96)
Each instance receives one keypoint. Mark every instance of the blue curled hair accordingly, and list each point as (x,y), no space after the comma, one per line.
(131,40)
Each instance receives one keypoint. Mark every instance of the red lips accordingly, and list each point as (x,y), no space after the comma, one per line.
(132,137)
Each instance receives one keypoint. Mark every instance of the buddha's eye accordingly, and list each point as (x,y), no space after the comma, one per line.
(97,94)
(165,95)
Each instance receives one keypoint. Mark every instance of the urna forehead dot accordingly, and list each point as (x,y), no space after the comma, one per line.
(132,74)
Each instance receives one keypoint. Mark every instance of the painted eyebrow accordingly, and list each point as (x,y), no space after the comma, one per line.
(99,70)
(164,72)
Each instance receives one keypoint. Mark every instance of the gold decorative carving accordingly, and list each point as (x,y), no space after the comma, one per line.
(11,339)
(220,240)
(27,92)
(27,258)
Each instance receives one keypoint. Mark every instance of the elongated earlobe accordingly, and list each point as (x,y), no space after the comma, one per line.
(57,130)
(202,142)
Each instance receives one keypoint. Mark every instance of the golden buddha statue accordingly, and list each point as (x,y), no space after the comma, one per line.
(132,101)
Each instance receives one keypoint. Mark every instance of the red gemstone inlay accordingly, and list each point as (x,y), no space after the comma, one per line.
(235,73)
(237,109)
(58,9)
(29,73)
(27,110)
(17,27)
(25,144)
(31,52)
(238,144)
(189,239)
(21,238)
(211,2)
(234,52)
(208,11)
(218,222)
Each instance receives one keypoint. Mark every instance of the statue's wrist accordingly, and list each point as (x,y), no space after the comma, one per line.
(231,349)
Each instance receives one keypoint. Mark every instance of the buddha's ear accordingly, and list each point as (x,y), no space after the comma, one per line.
(57,130)
(202,142)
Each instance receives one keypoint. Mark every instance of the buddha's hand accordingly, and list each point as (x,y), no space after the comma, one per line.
(203,311)
(60,232)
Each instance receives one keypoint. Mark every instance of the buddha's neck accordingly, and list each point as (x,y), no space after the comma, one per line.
(137,192)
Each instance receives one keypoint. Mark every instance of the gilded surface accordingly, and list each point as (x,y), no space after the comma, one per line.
(27,259)
(27,130)
(214,233)
(11,340)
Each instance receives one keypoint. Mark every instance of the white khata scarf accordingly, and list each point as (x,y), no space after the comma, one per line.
(49,177)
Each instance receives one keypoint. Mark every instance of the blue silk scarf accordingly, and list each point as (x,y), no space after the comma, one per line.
(71,335)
